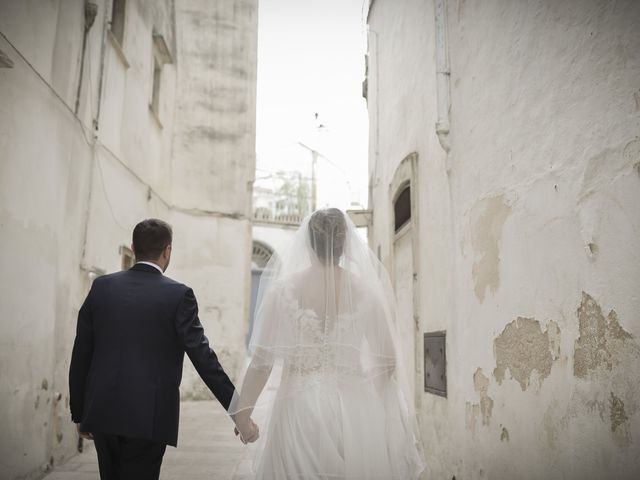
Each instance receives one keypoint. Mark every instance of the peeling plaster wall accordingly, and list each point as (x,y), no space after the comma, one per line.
(529,255)
(67,205)
(402,112)
(523,349)
(490,215)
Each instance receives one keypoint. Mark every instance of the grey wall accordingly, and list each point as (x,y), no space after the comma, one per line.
(69,201)
(527,229)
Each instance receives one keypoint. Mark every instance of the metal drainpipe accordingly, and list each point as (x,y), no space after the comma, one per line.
(83,261)
(90,11)
(103,48)
(443,74)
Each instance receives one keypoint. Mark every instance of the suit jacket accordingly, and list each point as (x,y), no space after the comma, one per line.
(133,330)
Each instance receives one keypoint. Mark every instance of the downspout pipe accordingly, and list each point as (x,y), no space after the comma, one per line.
(443,74)
(101,74)
(90,12)
(93,270)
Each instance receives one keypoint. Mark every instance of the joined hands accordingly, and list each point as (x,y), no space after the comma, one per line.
(248,431)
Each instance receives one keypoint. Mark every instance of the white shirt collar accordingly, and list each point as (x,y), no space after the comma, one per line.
(153,265)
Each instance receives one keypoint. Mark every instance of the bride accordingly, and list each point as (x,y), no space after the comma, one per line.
(324,325)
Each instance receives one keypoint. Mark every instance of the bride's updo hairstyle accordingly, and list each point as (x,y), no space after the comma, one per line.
(327,231)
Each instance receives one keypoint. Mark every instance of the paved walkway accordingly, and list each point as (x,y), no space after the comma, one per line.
(207,449)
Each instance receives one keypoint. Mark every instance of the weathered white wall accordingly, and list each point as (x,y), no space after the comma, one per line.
(214,142)
(215,260)
(528,244)
(67,202)
(44,168)
(213,166)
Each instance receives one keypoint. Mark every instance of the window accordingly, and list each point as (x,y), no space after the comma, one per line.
(155,93)
(160,56)
(128,258)
(5,61)
(402,208)
(260,255)
(118,8)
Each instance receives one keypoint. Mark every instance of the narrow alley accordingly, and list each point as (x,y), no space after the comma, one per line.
(207,449)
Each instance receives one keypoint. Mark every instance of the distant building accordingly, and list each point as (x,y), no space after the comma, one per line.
(505,190)
(112,111)
(284,192)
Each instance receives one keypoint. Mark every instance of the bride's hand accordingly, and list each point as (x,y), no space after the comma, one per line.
(248,431)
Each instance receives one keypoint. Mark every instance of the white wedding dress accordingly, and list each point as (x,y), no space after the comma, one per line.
(339,410)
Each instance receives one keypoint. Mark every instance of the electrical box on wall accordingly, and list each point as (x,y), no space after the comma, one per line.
(435,363)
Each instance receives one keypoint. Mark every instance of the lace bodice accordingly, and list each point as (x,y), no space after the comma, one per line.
(323,348)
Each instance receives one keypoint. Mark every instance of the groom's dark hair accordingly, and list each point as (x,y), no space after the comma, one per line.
(150,238)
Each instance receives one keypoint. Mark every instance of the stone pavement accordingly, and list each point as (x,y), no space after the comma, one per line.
(207,449)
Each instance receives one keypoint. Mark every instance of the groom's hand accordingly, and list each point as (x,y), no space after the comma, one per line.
(85,435)
(248,431)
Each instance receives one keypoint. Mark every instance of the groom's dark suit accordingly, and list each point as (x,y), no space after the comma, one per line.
(133,330)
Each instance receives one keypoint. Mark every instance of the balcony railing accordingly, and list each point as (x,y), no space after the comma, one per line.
(265,215)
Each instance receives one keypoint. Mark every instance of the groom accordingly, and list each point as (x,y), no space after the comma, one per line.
(133,330)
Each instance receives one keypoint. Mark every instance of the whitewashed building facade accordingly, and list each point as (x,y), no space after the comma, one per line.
(112,111)
(505,193)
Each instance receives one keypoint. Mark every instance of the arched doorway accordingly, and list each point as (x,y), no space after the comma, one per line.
(404,263)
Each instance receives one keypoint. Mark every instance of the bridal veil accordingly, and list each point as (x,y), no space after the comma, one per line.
(324,331)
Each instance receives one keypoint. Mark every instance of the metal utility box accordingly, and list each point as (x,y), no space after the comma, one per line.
(435,363)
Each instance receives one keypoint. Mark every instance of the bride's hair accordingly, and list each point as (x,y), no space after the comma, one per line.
(327,230)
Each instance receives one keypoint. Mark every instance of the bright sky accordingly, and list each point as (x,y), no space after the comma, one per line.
(311,60)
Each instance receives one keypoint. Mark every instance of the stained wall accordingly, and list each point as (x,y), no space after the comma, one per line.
(75,181)
(527,228)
